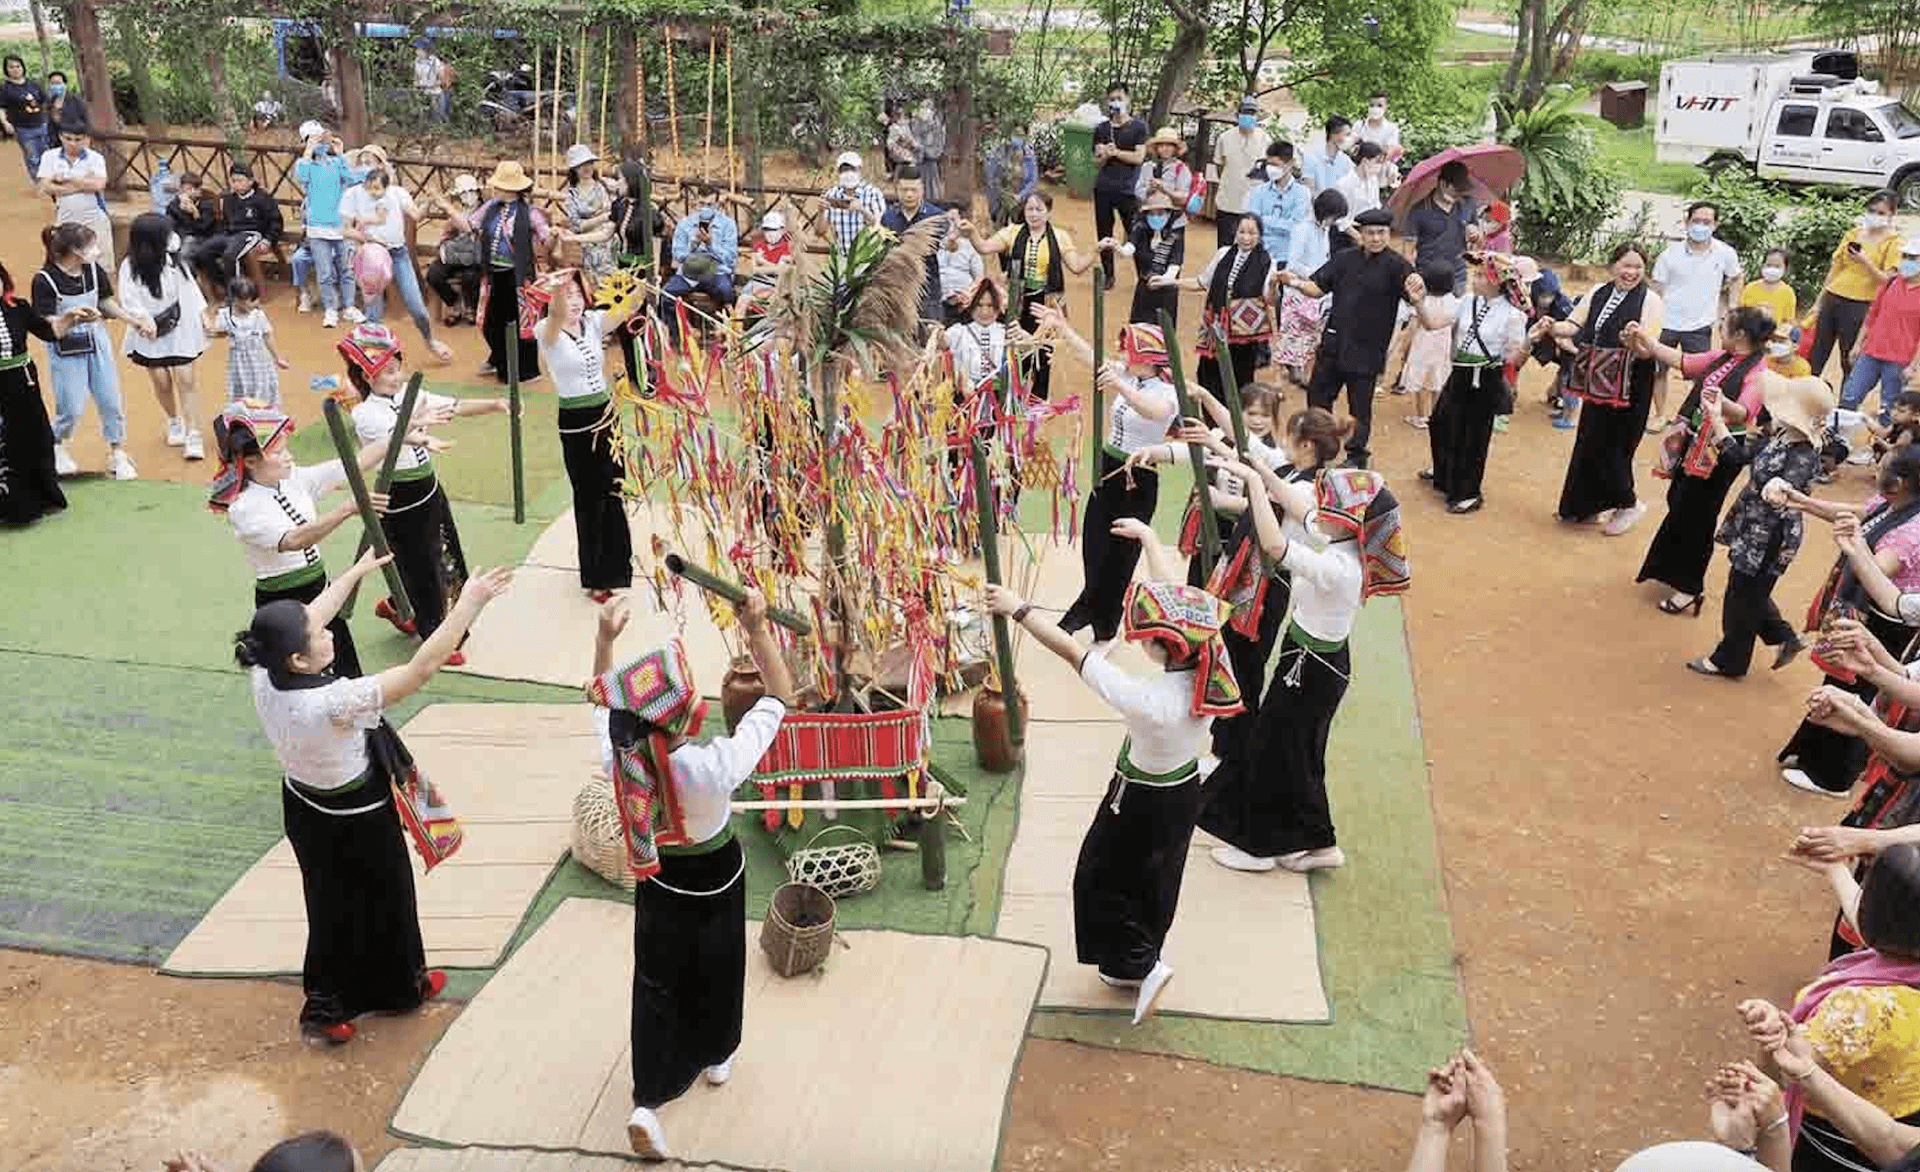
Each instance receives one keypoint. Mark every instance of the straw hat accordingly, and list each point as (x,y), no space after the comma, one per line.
(1166,136)
(580,153)
(1803,404)
(509,176)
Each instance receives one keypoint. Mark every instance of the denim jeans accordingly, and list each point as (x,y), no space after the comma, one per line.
(302,266)
(1866,373)
(333,272)
(33,144)
(408,285)
(84,375)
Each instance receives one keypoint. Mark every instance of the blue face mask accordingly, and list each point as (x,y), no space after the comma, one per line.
(1910,269)
(56,90)
(1699,233)
(1246,121)
(1157,220)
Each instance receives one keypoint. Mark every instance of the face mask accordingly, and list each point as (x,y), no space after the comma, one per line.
(1246,121)
(91,254)
(1910,269)
(1779,349)
(1116,106)
(849,180)
(1699,233)
(470,198)
(57,90)
(1157,220)
(1377,111)
(1279,172)
(1873,220)
(1772,273)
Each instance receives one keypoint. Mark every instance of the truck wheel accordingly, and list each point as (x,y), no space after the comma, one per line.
(1906,186)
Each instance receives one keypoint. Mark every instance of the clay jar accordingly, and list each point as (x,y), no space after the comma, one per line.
(741,688)
(993,745)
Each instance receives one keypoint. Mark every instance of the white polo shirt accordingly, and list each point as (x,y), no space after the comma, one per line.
(81,206)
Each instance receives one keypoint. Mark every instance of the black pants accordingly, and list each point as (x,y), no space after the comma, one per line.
(1324,392)
(346,658)
(457,287)
(1106,206)
(599,511)
(501,327)
(1246,360)
(1271,799)
(1830,758)
(1148,302)
(1840,321)
(1748,613)
(426,548)
(1225,224)
(689,971)
(1126,882)
(1249,659)
(1107,561)
(1461,430)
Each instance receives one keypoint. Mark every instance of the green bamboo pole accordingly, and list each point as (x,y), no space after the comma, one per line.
(1002,633)
(513,422)
(1209,528)
(343,443)
(384,481)
(644,197)
(1099,360)
(733,592)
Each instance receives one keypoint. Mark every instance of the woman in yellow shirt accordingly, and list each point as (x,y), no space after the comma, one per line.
(1037,257)
(1771,292)
(1865,260)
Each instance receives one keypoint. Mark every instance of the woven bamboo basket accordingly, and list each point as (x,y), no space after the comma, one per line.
(793,946)
(598,843)
(840,870)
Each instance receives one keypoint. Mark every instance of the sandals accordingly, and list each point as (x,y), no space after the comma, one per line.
(1704,666)
(1668,606)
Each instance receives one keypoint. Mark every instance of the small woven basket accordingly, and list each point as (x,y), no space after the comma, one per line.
(798,930)
(840,870)
(598,842)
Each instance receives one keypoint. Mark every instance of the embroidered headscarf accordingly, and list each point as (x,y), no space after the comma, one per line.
(1144,343)
(246,423)
(369,348)
(653,702)
(1185,621)
(1359,502)
(1506,277)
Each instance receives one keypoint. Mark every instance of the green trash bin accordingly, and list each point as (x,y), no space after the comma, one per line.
(1076,151)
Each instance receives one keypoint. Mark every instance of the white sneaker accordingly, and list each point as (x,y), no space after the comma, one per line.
(1858,456)
(120,466)
(330,319)
(1624,519)
(1798,779)
(194,450)
(720,1072)
(1235,859)
(647,1137)
(306,303)
(63,464)
(353,316)
(1323,859)
(176,431)
(1150,990)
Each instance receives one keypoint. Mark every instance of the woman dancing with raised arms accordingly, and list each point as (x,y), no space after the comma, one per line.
(1126,884)
(690,905)
(341,759)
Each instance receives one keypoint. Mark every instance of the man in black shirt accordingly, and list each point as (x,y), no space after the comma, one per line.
(910,207)
(1367,284)
(1119,147)
(252,221)
(23,112)
(196,220)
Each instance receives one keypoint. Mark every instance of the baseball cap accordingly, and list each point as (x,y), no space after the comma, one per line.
(773,220)
(847,159)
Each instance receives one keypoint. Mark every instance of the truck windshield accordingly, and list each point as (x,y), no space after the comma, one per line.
(1904,122)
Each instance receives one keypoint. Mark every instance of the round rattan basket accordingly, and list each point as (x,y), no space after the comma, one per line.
(597,840)
(840,870)
(798,930)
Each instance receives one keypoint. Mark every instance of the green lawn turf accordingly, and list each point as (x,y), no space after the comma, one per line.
(1633,152)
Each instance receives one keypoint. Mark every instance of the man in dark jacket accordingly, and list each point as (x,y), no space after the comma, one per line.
(252,222)
(196,220)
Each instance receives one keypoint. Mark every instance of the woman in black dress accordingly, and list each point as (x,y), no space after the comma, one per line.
(29,487)
(1600,472)
(1683,545)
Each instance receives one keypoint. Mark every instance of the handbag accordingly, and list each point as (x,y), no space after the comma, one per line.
(1197,198)
(461,252)
(77,343)
(166,320)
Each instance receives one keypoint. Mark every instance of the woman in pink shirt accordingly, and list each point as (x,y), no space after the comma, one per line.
(1892,336)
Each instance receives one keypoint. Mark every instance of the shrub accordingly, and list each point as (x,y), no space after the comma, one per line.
(1749,212)
(1570,225)
(1810,234)
(1593,68)
(1643,232)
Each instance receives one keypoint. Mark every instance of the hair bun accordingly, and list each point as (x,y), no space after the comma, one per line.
(247,651)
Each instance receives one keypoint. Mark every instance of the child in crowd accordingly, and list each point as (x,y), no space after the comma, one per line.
(1430,354)
(1904,425)
(1771,292)
(1783,350)
(253,365)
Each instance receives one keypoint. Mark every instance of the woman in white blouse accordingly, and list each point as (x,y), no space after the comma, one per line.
(1269,803)
(1489,331)
(166,335)
(364,953)
(572,349)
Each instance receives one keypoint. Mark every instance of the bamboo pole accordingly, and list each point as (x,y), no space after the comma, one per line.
(537,103)
(640,98)
(580,94)
(733,167)
(990,552)
(1099,360)
(559,79)
(673,96)
(403,419)
(606,66)
(733,592)
(1230,386)
(713,61)
(1209,528)
(514,441)
(343,444)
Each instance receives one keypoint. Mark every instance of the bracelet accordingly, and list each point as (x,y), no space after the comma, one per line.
(1021,612)
(1776,1124)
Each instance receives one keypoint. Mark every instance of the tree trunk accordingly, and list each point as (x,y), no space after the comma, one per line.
(960,165)
(1523,36)
(96,81)
(355,126)
(626,95)
(40,31)
(746,88)
(1183,58)
(1538,51)
(230,119)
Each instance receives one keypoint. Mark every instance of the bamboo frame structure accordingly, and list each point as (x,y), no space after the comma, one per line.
(673,105)
(733,160)
(713,61)
(606,66)
(538,60)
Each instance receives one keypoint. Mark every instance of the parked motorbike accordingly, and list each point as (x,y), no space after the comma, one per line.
(508,101)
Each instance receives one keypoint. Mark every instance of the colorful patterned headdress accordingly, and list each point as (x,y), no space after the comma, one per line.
(369,348)
(1143,343)
(244,420)
(1359,502)
(1507,278)
(657,692)
(1186,621)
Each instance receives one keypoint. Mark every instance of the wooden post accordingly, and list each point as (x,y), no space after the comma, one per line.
(513,422)
(343,445)
(748,64)
(538,71)
(1209,528)
(990,551)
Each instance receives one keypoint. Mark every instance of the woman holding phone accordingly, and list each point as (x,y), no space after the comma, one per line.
(1863,262)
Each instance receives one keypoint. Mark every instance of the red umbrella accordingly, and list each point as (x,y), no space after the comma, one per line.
(1494,167)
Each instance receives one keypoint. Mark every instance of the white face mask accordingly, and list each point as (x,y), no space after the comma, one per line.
(1377,111)
(1874,220)
(849,180)
(470,198)
(1772,273)
(1779,349)
(91,254)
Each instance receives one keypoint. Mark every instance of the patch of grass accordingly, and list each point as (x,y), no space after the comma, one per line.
(1460,41)
(1633,152)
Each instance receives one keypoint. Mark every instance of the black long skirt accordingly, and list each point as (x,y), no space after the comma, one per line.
(599,511)
(426,548)
(1107,561)
(1460,430)
(1600,472)
(29,488)
(1833,760)
(1683,545)
(1246,359)
(1037,367)
(1148,302)
(1249,659)
(501,327)
(689,970)
(1272,799)
(1126,884)
(364,953)
(346,657)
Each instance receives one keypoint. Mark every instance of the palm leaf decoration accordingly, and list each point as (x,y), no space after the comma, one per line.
(1553,135)
(859,309)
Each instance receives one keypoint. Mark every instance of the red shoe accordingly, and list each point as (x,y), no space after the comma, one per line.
(600,596)
(457,659)
(384,609)
(436,982)
(337,1034)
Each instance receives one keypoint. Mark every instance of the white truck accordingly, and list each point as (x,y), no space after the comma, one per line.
(1802,118)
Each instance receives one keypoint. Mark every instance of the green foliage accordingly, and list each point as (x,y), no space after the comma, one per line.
(1756,216)
(1335,62)
(1572,223)
(1595,67)
(1437,109)
(1643,232)
(1749,211)
(1553,136)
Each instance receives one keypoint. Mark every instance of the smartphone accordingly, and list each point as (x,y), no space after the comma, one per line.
(1854,247)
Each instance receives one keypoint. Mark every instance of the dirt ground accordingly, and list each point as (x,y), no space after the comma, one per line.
(1610,828)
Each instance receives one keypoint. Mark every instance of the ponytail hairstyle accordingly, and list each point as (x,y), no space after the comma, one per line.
(1317,426)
